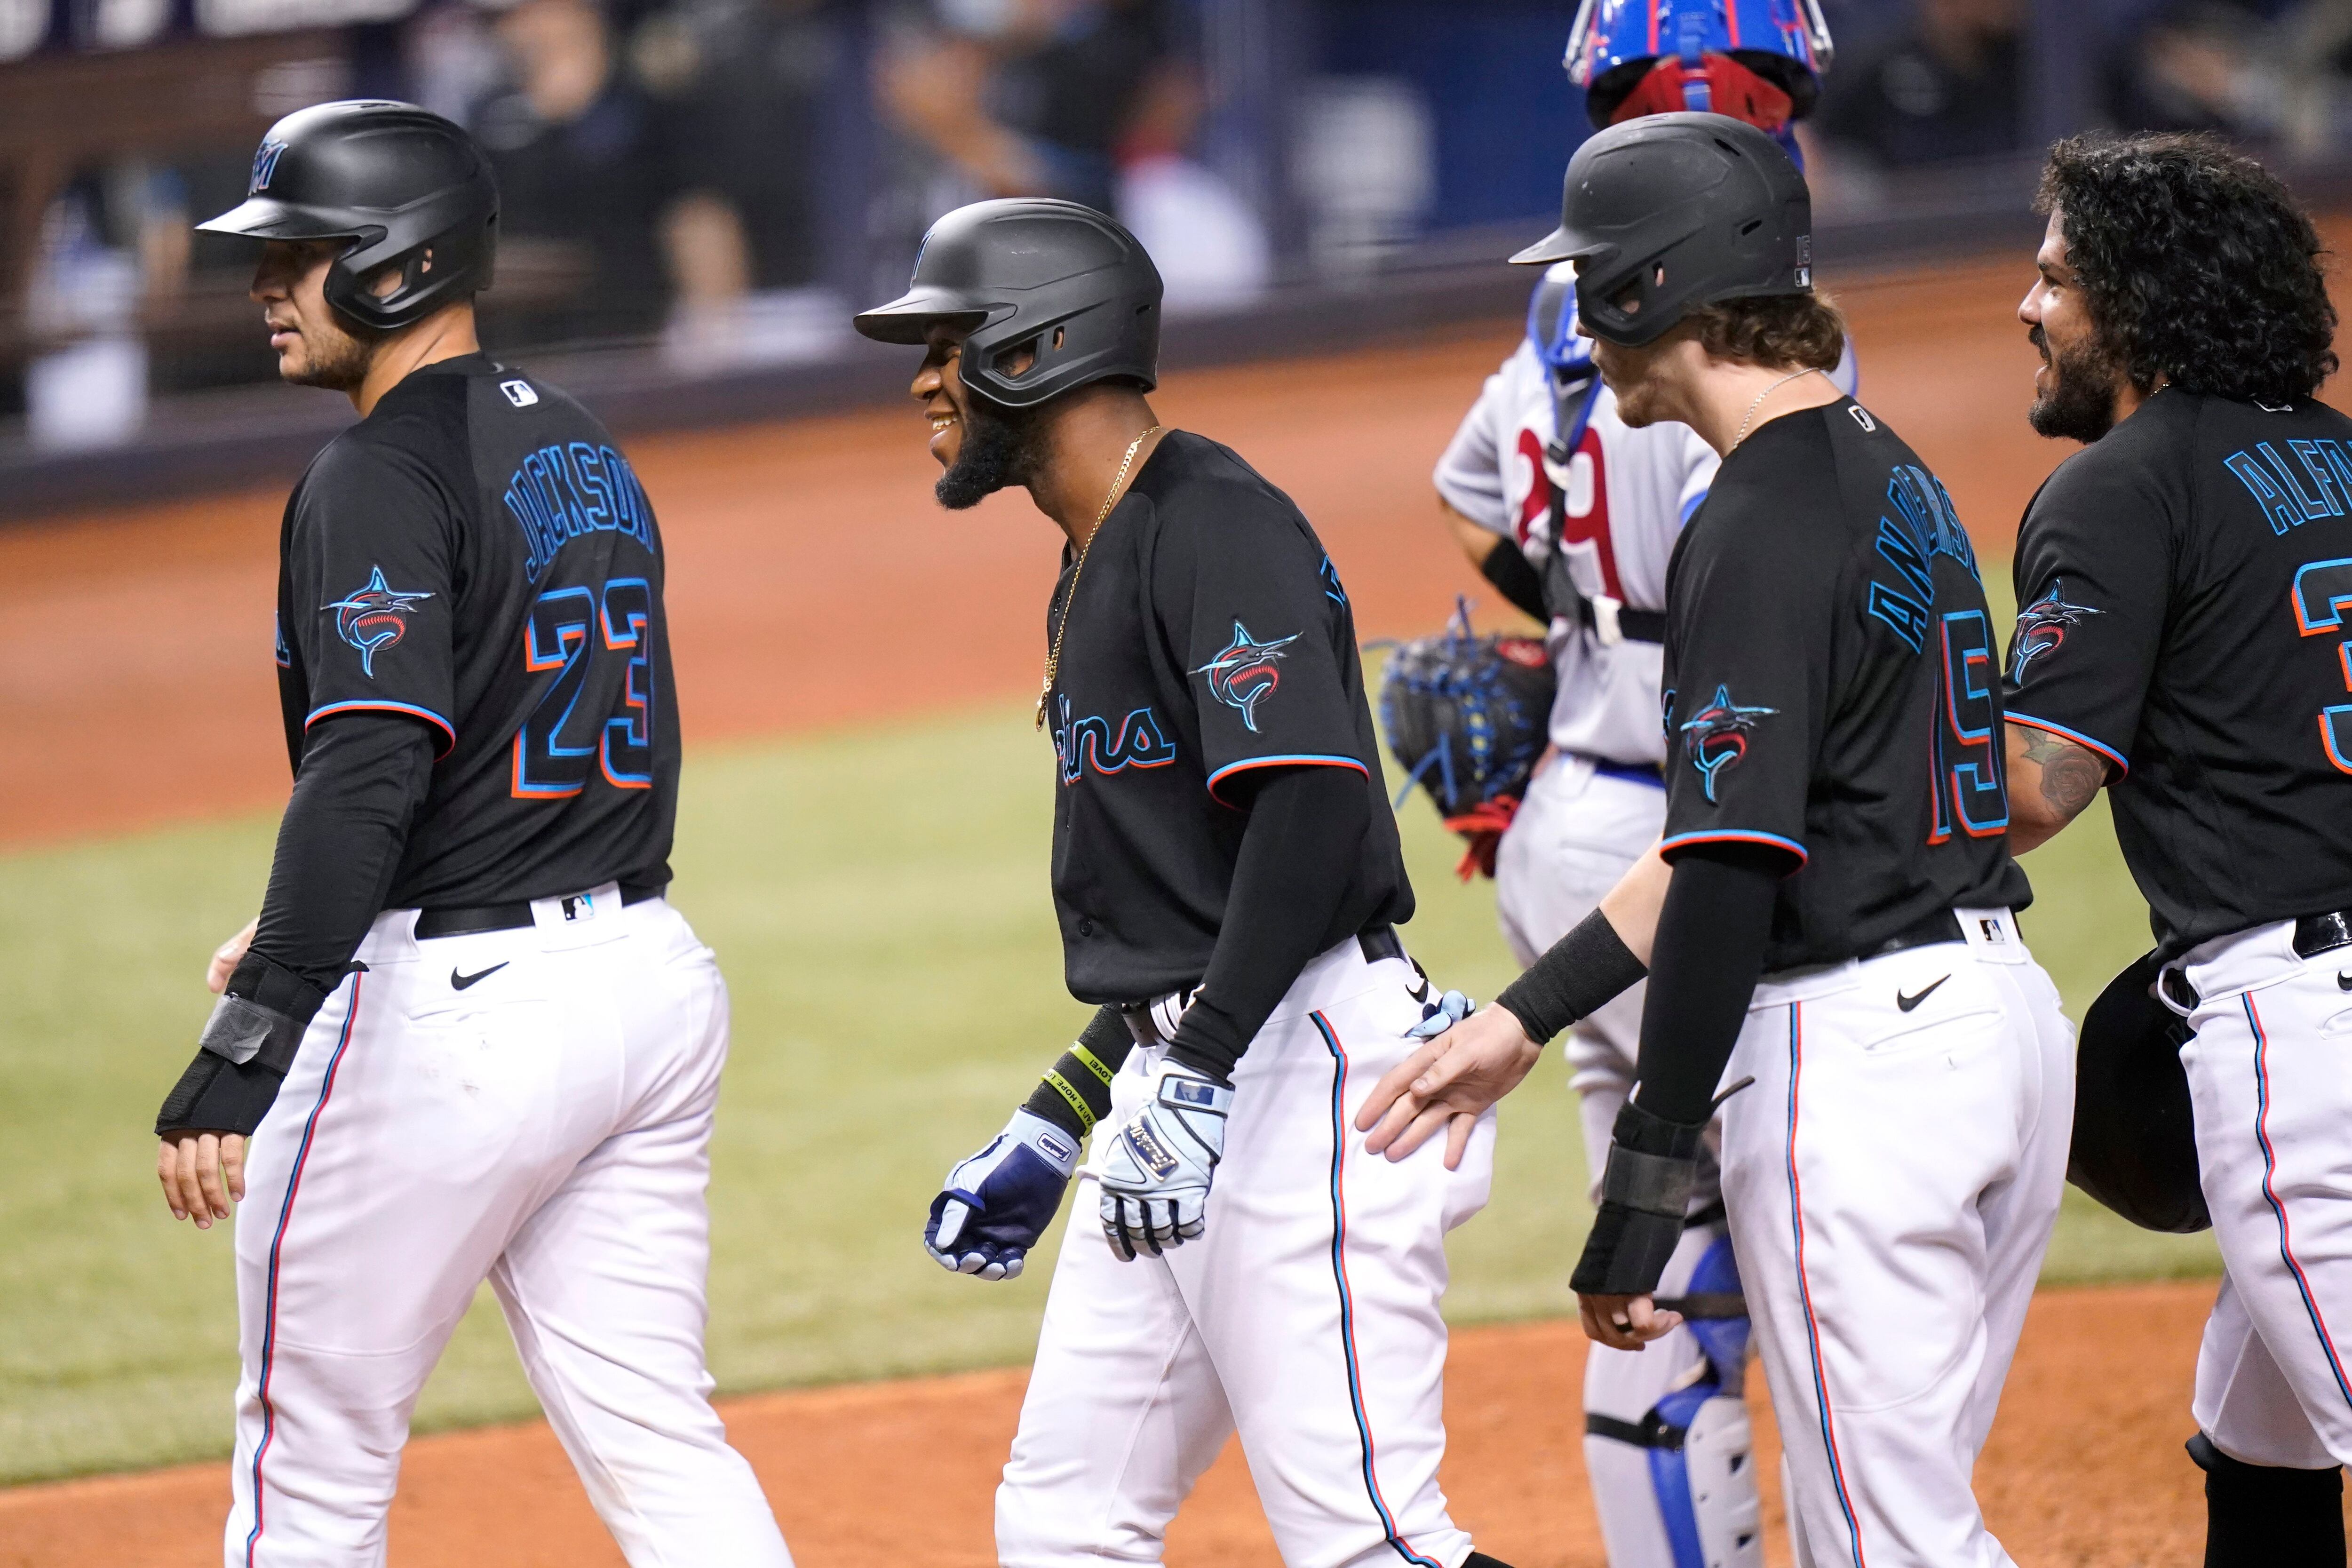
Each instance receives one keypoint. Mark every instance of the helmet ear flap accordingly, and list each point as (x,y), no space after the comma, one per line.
(448,267)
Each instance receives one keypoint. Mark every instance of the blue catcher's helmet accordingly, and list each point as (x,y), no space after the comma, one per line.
(1551,326)
(1757,60)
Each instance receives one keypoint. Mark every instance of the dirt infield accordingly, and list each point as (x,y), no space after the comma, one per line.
(814,581)
(2085,1466)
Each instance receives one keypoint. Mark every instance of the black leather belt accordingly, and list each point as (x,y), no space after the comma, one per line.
(431,924)
(1633,624)
(1941,926)
(2323,933)
(2313,934)
(1380,942)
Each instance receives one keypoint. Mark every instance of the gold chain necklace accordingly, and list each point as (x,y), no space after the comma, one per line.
(1053,656)
(1760,397)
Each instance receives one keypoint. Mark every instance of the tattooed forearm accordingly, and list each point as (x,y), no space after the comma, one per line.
(2071,774)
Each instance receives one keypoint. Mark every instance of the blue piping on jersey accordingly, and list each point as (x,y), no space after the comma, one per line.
(413,711)
(2076,736)
(1736,836)
(1308,759)
(1693,505)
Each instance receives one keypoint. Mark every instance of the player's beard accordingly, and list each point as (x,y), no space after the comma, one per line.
(999,448)
(335,356)
(2080,403)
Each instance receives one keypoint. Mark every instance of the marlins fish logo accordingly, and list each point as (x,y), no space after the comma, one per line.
(264,166)
(1244,672)
(2042,625)
(1716,735)
(374,618)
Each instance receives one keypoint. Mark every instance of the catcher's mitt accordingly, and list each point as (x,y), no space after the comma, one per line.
(2135,1139)
(1465,715)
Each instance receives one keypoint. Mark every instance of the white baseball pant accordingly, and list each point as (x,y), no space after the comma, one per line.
(1668,1500)
(1893,1174)
(548,1127)
(1306,1317)
(2271,1099)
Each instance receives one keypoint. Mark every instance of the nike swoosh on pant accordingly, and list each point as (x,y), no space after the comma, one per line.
(459,982)
(1907,1003)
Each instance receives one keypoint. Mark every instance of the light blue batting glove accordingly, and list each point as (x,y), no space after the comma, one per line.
(1155,1171)
(1441,1014)
(995,1205)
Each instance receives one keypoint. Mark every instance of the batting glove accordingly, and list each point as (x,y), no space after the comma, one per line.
(1441,1014)
(997,1203)
(1155,1171)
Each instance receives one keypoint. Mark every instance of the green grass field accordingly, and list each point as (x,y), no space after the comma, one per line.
(879,902)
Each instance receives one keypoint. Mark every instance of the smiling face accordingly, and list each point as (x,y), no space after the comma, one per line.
(981,448)
(314,346)
(2077,389)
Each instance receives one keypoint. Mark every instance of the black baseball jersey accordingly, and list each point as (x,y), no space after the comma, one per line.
(477,553)
(1209,635)
(2182,586)
(1831,686)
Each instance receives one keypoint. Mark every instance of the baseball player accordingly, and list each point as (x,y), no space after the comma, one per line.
(1827,922)
(1573,515)
(469,1038)
(1228,884)
(2182,584)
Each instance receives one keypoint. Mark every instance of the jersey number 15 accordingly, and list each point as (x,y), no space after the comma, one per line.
(1968,788)
(598,712)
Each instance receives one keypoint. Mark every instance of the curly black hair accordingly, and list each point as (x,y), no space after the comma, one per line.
(2197,264)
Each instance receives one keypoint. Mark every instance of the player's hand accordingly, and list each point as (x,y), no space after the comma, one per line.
(1156,1170)
(1626,1322)
(203,1174)
(226,955)
(994,1206)
(1448,1083)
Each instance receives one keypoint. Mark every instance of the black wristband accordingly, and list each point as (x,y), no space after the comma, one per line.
(217,1095)
(1516,578)
(1627,1252)
(1075,1093)
(1582,972)
(268,983)
(1644,1133)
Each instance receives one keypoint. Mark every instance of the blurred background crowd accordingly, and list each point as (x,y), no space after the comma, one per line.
(716,182)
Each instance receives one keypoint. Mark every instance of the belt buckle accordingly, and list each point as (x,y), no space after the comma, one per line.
(1604,620)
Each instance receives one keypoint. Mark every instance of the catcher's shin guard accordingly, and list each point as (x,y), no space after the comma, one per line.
(2268,1515)
(1695,1437)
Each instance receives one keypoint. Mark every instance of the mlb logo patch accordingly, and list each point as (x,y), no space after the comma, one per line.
(1054,1147)
(520,392)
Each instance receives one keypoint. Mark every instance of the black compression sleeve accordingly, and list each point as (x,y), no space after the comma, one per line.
(1704,966)
(362,778)
(1578,975)
(1516,578)
(1075,1093)
(1307,827)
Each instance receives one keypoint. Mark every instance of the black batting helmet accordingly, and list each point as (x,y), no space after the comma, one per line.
(1019,272)
(394,179)
(1675,211)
